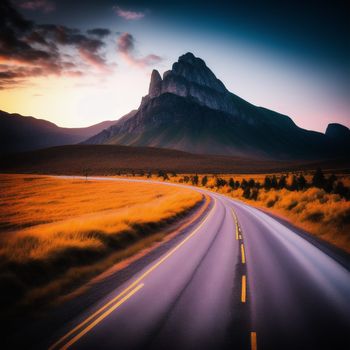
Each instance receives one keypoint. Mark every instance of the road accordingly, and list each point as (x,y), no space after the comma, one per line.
(240,279)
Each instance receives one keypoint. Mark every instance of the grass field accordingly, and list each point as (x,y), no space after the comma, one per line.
(56,232)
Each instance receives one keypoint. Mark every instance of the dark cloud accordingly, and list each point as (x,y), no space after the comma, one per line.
(126,48)
(100,32)
(41,5)
(28,49)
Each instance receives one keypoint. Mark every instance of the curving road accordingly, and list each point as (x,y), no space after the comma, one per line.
(240,279)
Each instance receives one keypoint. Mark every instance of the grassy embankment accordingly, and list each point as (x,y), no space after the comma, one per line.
(322,214)
(323,211)
(56,233)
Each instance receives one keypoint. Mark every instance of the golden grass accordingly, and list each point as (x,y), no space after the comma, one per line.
(325,215)
(322,214)
(56,229)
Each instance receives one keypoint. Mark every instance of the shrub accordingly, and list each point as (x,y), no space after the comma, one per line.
(204,180)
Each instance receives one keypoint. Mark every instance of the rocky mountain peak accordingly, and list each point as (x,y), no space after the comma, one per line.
(190,58)
(194,70)
(155,86)
(190,77)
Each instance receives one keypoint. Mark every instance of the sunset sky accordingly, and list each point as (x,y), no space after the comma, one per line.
(77,63)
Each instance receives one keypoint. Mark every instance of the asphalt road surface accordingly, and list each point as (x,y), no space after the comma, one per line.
(239,279)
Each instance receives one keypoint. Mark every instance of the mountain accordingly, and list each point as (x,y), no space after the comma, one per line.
(189,109)
(338,132)
(19,133)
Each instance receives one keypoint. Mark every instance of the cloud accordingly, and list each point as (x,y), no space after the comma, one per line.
(127,14)
(126,48)
(100,32)
(41,5)
(94,59)
(126,43)
(30,50)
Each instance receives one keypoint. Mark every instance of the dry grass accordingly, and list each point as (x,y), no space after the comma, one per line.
(325,215)
(56,230)
(322,214)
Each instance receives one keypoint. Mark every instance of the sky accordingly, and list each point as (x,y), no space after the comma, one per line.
(77,63)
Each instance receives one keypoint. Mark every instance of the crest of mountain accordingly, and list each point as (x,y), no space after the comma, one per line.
(189,109)
(19,133)
(337,131)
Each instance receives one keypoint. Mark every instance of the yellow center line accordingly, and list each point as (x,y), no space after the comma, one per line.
(253,342)
(244,289)
(236,223)
(242,254)
(101,317)
(132,285)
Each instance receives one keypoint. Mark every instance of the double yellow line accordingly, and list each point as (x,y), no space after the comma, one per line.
(85,326)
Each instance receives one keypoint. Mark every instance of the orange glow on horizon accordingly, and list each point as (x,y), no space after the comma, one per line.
(74,101)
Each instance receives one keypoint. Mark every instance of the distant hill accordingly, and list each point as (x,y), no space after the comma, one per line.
(19,133)
(189,109)
(111,160)
(339,133)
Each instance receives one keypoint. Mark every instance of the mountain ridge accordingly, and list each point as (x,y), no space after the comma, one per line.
(25,133)
(189,109)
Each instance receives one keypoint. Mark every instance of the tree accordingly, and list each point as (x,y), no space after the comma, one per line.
(244,184)
(149,174)
(282,182)
(220,182)
(301,182)
(318,180)
(163,174)
(231,183)
(329,183)
(246,193)
(341,189)
(267,183)
(255,194)
(86,172)
(274,183)
(237,184)
(204,180)
(251,183)
(195,180)
(186,178)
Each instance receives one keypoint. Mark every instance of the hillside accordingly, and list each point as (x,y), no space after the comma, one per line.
(20,133)
(112,160)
